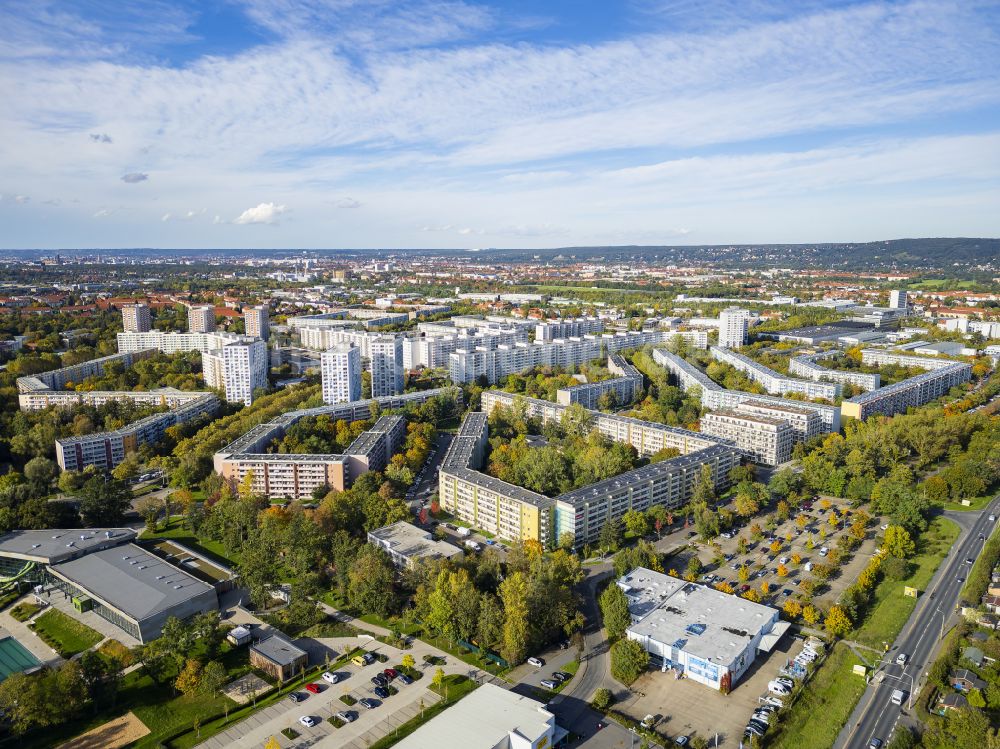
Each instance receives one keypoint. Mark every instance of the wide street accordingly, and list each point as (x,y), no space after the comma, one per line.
(875,716)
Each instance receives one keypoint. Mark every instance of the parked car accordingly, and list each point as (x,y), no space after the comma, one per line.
(536,662)
(379,680)
(330,678)
(295,697)
(562,676)
(368,702)
(875,743)
(786,681)
(347,716)
(404,679)
(381,692)
(550,683)
(682,740)
(313,688)
(776,687)
(308,721)
(390,673)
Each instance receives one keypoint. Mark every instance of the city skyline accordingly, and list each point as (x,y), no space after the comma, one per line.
(466,124)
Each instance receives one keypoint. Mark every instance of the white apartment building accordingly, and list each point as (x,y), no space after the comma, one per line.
(256,321)
(340,368)
(903,358)
(136,318)
(912,392)
(897,299)
(764,439)
(775,382)
(807,366)
(238,369)
(805,423)
(624,388)
(734,324)
(201,319)
(568,328)
(386,365)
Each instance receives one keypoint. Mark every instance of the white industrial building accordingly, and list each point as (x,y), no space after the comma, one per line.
(340,369)
(711,637)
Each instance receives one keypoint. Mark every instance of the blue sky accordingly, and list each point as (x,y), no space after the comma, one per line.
(517,123)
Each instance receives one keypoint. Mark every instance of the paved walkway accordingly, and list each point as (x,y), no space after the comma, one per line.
(27,637)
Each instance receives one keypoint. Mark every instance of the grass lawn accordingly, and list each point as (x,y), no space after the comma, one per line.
(9,597)
(175,531)
(454,686)
(64,634)
(823,706)
(24,611)
(976,503)
(892,608)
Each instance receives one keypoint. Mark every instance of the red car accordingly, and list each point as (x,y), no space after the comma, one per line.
(313,688)
(744,588)
(391,673)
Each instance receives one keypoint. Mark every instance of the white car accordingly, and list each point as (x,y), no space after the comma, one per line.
(901,659)
(775,687)
(308,721)
(536,662)
(772,700)
(330,678)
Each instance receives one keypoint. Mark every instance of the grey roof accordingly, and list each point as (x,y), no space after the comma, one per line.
(279,650)
(52,546)
(132,580)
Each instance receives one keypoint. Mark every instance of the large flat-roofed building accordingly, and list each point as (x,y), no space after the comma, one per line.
(763,439)
(711,637)
(622,389)
(407,544)
(715,397)
(103,571)
(297,476)
(775,382)
(491,717)
(903,358)
(515,513)
(136,318)
(340,368)
(805,423)
(57,379)
(908,393)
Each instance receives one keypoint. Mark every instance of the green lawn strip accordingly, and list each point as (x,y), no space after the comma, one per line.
(823,706)
(454,686)
(175,531)
(891,608)
(975,503)
(825,703)
(25,610)
(64,634)
(473,659)
(9,597)
(215,721)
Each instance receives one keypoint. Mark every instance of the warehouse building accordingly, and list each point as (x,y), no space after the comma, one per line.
(711,637)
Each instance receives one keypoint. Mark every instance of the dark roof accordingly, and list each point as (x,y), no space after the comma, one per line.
(279,650)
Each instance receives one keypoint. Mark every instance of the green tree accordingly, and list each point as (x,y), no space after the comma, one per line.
(514,595)
(370,581)
(603,699)
(612,535)
(629,660)
(636,523)
(41,472)
(490,628)
(614,609)
(104,504)
(213,678)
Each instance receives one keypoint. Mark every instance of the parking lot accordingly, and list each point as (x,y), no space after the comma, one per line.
(762,563)
(684,707)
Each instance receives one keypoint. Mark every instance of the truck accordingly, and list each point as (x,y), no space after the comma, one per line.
(898,695)
(463,532)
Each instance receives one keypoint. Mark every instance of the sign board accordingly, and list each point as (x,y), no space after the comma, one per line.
(860,670)
(911,592)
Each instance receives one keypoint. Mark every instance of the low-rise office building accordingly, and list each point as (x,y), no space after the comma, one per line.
(711,637)
(406,544)
(278,657)
(763,439)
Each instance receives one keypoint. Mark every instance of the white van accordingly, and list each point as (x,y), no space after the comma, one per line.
(463,531)
(472,545)
(898,695)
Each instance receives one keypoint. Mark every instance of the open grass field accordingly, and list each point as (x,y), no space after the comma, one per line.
(65,634)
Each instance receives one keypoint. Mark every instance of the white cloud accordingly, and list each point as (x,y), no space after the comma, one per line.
(264,213)
(105,212)
(166,217)
(345,202)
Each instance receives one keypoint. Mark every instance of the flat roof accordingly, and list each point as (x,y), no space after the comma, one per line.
(279,650)
(697,619)
(483,720)
(57,545)
(132,580)
(412,542)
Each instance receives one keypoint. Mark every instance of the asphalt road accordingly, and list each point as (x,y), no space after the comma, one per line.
(875,716)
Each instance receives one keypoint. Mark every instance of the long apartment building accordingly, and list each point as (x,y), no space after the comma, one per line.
(715,397)
(434,350)
(234,363)
(808,366)
(775,382)
(494,365)
(515,513)
(105,450)
(804,422)
(763,439)
(625,387)
(44,383)
(911,392)
(903,359)
(573,327)
(296,476)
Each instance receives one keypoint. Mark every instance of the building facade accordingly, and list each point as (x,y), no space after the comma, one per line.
(387,365)
(775,382)
(763,439)
(734,327)
(256,321)
(340,368)
(136,318)
(237,369)
(201,319)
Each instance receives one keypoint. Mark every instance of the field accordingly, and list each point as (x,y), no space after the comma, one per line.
(65,634)
(175,531)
